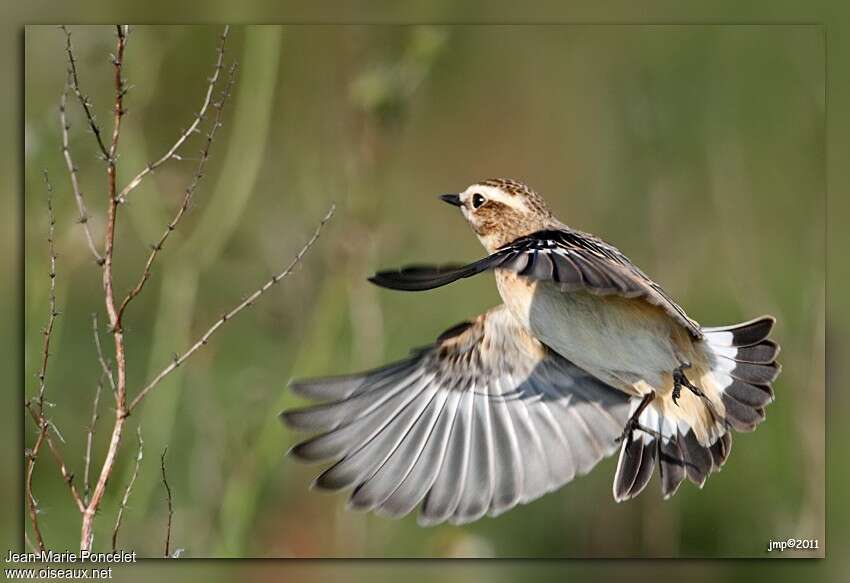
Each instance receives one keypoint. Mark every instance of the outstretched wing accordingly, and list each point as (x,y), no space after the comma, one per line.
(482,420)
(572,259)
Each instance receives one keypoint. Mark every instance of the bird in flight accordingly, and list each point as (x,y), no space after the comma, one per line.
(586,356)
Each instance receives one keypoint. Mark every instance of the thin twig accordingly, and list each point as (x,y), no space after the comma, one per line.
(32,503)
(51,319)
(84,100)
(90,438)
(38,408)
(120,90)
(193,127)
(170,505)
(139,455)
(67,476)
(233,312)
(104,364)
(187,195)
(72,171)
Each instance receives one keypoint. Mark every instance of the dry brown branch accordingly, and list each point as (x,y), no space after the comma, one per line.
(129,489)
(187,194)
(84,100)
(111,309)
(90,438)
(51,319)
(38,408)
(120,90)
(72,172)
(167,553)
(202,341)
(32,503)
(193,127)
(114,369)
(44,426)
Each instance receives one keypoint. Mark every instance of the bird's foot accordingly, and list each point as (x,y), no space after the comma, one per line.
(680,380)
(633,425)
(633,422)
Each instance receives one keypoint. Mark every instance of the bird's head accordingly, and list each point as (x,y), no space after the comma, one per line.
(501,210)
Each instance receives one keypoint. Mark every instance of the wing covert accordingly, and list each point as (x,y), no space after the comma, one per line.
(573,260)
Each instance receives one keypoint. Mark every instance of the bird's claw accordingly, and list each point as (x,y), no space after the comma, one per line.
(680,380)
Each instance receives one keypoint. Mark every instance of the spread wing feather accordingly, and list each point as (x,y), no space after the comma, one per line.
(482,420)
(572,259)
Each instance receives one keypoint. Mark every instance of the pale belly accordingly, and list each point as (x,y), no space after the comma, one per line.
(621,341)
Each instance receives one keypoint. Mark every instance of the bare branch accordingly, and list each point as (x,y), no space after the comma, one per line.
(32,503)
(187,195)
(170,505)
(172,152)
(123,506)
(233,312)
(67,476)
(120,90)
(114,370)
(84,101)
(38,408)
(51,318)
(44,426)
(72,171)
(87,529)
(90,438)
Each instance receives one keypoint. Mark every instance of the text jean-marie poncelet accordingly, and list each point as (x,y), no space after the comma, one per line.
(50,556)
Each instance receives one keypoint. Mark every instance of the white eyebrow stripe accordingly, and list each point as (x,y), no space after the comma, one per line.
(494,193)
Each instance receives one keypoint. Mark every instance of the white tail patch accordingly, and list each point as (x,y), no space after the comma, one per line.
(733,368)
(721,355)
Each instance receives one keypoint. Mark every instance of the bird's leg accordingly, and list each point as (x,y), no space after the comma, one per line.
(633,422)
(680,380)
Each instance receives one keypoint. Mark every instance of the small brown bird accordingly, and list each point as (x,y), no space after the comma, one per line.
(587,354)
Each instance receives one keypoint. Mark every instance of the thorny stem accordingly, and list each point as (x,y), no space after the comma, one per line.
(111,309)
(32,503)
(72,171)
(51,319)
(84,101)
(67,476)
(38,409)
(118,380)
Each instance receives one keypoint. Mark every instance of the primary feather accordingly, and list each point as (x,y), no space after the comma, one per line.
(484,419)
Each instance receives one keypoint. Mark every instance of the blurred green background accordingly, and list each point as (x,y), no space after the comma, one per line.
(698,150)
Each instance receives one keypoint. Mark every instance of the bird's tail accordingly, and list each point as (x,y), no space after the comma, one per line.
(691,438)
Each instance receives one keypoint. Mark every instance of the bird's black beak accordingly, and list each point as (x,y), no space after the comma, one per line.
(452,199)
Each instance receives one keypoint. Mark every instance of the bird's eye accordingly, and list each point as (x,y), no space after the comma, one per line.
(477,200)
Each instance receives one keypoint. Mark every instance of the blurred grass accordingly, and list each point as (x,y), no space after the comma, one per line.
(697,150)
